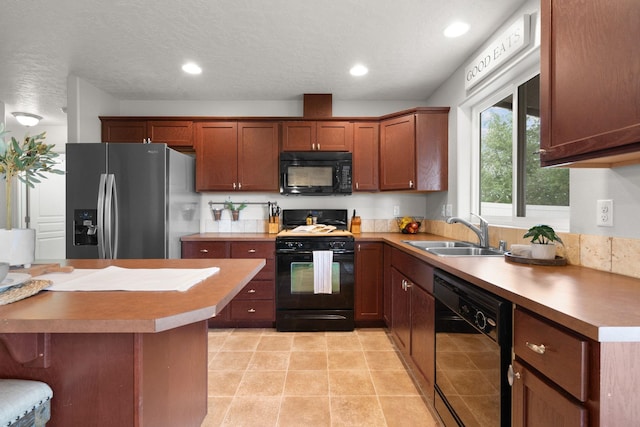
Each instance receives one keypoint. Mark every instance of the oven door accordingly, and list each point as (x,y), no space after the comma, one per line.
(295,290)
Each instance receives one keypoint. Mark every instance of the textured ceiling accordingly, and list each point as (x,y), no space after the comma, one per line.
(248,49)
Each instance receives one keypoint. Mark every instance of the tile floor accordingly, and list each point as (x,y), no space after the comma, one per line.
(260,377)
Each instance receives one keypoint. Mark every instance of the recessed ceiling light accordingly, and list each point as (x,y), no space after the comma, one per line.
(456,29)
(191,68)
(358,70)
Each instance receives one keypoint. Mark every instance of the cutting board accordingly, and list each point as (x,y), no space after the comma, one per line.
(39,269)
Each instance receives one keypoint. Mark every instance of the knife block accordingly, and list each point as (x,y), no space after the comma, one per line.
(355,225)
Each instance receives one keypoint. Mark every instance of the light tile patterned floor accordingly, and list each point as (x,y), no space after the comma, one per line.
(260,377)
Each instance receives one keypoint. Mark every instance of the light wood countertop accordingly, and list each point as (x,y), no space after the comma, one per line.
(103,312)
(600,305)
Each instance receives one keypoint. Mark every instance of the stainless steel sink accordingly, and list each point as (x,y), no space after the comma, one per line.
(464,251)
(426,244)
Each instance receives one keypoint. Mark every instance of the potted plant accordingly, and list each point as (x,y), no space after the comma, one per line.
(543,240)
(235,210)
(25,160)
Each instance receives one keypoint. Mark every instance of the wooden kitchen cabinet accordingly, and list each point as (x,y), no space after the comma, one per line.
(369,302)
(413,316)
(314,135)
(414,150)
(237,156)
(122,130)
(254,306)
(551,373)
(366,137)
(589,83)
(177,134)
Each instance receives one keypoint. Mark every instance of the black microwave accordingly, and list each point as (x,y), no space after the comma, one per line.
(315,173)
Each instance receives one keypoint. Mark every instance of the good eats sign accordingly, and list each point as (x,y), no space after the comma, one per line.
(502,48)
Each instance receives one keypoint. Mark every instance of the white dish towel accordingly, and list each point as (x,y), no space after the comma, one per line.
(322,262)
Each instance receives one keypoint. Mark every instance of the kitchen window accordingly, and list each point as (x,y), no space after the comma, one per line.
(511,187)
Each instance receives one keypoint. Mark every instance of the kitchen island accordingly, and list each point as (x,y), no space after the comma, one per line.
(121,358)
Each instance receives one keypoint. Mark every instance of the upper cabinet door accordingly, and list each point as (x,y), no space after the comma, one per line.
(365,156)
(216,154)
(398,153)
(258,156)
(590,89)
(334,136)
(124,130)
(174,133)
(298,136)
(317,136)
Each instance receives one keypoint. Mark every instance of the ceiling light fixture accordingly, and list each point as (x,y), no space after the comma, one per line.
(191,68)
(358,70)
(456,29)
(27,119)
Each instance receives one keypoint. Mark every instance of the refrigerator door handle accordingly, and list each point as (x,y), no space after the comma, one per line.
(111,217)
(113,190)
(101,224)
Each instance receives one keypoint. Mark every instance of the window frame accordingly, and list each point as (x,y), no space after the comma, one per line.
(558,216)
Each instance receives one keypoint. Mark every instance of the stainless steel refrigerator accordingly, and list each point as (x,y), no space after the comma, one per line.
(128,200)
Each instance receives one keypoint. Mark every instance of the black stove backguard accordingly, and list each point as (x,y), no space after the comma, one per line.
(292,218)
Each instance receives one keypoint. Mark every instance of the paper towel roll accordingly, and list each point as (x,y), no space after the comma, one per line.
(521,250)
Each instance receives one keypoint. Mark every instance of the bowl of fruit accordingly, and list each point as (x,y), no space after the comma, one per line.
(409,224)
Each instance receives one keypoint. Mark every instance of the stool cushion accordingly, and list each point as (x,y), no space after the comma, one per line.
(19,397)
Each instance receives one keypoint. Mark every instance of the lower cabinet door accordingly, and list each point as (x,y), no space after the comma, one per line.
(536,403)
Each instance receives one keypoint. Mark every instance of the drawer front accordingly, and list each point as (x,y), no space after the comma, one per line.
(417,271)
(253,250)
(252,310)
(204,250)
(257,289)
(558,354)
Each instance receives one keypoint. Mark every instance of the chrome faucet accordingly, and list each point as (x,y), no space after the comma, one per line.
(482,232)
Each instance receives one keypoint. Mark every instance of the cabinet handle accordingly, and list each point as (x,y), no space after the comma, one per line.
(540,349)
(313,146)
(251,291)
(251,310)
(234,185)
(252,251)
(540,151)
(410,183)
(357,186)
(318,145)
(204,251)
(512,376)
(239,186)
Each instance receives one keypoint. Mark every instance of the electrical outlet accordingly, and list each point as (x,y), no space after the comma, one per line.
(604,213)
(396,210)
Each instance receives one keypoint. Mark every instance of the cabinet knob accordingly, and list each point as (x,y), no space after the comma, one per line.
(512,376)
(540,349)
(204,251)
(251,310)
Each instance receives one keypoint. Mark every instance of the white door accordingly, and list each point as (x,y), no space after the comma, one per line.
(47,206)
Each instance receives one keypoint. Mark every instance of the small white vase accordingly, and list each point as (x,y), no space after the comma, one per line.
(540,251)
(18,246)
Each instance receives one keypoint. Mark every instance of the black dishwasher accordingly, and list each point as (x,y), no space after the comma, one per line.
(473,353)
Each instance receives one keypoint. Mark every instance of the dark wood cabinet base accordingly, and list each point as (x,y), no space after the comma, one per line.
(122,379)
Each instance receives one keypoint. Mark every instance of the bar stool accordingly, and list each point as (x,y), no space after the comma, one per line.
(24,403)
